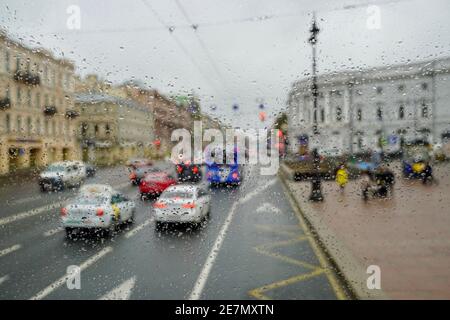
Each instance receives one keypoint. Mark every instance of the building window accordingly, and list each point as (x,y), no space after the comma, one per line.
(38,100)
(8,123)
(401,88)
(322,115)
(315,116)
(29,126)
(424,86)
(7,62)
(338,113)
(19,95)
(359,114)
(38,126)
(84,129)
(424,111)
(29,97)
(379,90)
(19,124)
(107,129)
(379,114)
(96,129)
(17,63)
(401,112)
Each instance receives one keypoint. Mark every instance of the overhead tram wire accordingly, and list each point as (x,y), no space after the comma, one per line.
(203,45)
(228,22)
(179,43)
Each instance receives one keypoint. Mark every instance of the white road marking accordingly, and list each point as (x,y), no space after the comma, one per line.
(132,232)
(10,249)
(24,200)
(250,195)
(51,232)
(122,291)
(204,274)
(58,283)
(3,279)
(30,213)
(267,207)
(207,267)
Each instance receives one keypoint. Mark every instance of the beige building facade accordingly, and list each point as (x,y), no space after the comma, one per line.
(37,115)
(112,128)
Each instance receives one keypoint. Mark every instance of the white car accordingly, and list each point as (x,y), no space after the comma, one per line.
(183,204)
(60,175)
(97,206)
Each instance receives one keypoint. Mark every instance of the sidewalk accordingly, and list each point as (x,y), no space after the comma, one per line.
(407,236)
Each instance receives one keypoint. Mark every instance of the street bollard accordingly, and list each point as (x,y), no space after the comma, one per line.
(316,190)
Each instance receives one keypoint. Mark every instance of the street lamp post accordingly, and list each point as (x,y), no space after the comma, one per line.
(316,186)
(313,40)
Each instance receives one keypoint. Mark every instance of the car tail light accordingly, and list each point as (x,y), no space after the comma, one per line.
(63,211)
(189,205)
(100,212)
(159,205)
(132,175)
(195,170)
(179,169)
(235,175)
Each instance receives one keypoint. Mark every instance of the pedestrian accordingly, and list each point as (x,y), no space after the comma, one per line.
(342,176)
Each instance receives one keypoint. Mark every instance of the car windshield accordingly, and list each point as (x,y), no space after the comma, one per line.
(55,168)
(94,200)
(177,194)
(267,120)
(156,177)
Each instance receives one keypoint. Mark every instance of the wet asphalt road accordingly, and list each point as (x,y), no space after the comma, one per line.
(253,247)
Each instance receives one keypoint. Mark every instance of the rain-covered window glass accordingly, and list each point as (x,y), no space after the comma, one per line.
(234,137)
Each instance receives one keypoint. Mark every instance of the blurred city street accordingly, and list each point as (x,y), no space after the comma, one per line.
(263,253)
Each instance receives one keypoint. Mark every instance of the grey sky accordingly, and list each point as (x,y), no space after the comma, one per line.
(228,59)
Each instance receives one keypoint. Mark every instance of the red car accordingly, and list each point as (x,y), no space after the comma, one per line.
(154,183)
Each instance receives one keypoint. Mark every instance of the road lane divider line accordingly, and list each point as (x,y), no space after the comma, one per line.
(257,190)
(212,256)
(4,279)
(122,291)
(135,230)
(58,283)
(15,247)
(52,232)
(30,213)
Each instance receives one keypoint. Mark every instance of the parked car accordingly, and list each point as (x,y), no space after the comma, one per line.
(182,204)
(154,183)
(60,175)
(97,206)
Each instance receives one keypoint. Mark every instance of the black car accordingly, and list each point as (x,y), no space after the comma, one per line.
(91,170)
(188,172)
